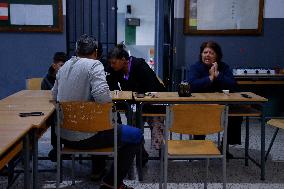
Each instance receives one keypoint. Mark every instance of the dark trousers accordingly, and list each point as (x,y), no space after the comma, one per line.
(234,131)
(126,153)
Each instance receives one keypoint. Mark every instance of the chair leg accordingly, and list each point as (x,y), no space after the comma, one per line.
(58,173)
(206,176)
(165,170)
(161,168)
(224,172)
(271,143)
(61,170)
(247,141)
(73,167)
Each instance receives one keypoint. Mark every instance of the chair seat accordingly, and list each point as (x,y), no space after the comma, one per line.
(279,123)
(192,147)
(99,150)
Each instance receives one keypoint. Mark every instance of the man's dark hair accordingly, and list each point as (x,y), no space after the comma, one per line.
(86,45)
(59,57)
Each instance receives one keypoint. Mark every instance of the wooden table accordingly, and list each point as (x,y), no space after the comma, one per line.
(18,128)
(207,98)
(126,98)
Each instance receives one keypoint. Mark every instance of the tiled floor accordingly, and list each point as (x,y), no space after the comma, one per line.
(182,174)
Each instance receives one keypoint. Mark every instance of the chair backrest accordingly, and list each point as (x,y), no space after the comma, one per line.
(85,116)
(33,83)
(196,119)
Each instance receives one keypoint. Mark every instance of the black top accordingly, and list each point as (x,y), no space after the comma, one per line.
(49,80)
(198,77)
(141,78)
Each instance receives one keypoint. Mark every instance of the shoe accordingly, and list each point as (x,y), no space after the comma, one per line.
(98,175)
(4,171)
(122,186)
(228,154)
(53,155)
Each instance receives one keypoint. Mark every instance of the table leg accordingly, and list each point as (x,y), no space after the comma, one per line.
(35,160)
(26,149)
(139,155)
(262,144)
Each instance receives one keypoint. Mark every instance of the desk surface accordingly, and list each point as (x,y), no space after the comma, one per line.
(201,97)
(121,95)
(13,127)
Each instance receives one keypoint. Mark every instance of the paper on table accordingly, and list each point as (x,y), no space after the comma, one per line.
(26,14)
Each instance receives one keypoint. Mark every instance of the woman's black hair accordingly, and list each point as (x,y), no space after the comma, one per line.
(86,45)
(212,45)
(118,52)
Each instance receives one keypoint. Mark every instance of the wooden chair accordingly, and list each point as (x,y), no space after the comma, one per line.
(85,117)
(34,83)
(279,124)
(195,119)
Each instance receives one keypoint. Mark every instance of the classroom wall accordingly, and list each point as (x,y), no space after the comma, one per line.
(265,50)
(240,51)
(26,55)
(145,33)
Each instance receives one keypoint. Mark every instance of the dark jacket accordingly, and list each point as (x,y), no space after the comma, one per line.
(141,78)
(49,80)
(198,77)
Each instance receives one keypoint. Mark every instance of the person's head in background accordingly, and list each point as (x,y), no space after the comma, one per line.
(118,58)
(59,58)
(88,47)
(210,52)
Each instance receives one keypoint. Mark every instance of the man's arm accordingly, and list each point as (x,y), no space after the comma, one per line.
(99,87)
(54,89)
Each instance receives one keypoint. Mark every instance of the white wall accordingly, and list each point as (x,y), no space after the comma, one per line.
(145,11)
(64,7)
(272,8)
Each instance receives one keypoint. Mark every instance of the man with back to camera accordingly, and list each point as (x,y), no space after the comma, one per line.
(82,78)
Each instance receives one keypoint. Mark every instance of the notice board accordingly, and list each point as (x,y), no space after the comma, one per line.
(31,16)
(223,17)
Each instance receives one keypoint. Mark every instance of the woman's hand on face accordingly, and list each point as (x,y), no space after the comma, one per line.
(216,72)
(211,73)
